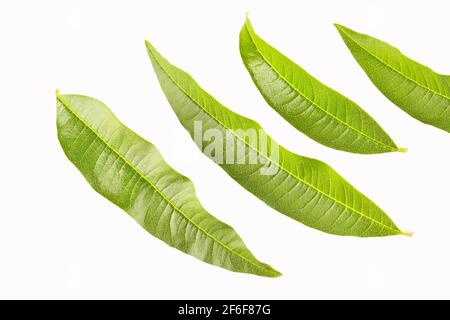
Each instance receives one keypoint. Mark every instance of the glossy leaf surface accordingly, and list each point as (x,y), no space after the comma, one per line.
(304,189)
(130,172)
(310,106)
(415,88)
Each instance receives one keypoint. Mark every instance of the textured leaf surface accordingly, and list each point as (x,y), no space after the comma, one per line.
(415,88)
(310,106)
(130,172)
(304,189)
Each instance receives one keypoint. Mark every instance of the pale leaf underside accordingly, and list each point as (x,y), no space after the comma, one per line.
(131,173)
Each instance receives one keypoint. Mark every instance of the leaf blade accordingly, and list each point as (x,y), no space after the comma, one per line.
(130,172)
(413,87)
(313,108)
(304,179)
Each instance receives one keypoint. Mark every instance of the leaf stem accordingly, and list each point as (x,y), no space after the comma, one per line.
(407,233)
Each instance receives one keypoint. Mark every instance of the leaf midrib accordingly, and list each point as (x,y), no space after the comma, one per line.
(314,103)
(264,156)
(393,68)
(158,190)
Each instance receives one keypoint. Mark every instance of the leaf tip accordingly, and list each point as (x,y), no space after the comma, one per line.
(340,28)
(407,233)
(402,150)
(248,23)
(147,43)
(269,271)
(57,92)
(275,273)
(150,48)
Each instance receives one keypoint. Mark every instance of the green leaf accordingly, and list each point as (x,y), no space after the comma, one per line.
(415,88)
(131,173)
(304,189)
(310,106)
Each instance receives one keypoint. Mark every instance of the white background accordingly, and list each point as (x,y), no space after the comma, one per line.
(59,239)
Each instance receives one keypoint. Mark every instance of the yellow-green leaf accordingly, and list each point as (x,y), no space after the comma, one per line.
(415,88)
(131,173)
(310,106)
(302,188)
